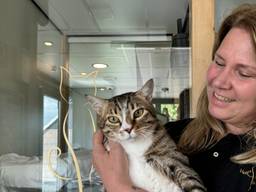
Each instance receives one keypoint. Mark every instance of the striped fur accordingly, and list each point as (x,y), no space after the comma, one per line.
(155,164)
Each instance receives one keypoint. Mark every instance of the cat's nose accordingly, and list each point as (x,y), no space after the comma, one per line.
(128,130)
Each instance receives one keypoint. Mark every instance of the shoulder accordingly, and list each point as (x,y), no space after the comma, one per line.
(176,128)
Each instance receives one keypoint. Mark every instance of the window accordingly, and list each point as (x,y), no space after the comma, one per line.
(50,137)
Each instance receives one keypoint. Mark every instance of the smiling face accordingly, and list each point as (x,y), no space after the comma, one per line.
(231,81)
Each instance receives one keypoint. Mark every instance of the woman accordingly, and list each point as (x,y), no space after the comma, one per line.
(221,141)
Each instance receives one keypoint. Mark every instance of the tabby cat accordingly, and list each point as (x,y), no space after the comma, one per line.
(155,165)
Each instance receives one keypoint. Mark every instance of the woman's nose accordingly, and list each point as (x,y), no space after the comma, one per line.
(223,80)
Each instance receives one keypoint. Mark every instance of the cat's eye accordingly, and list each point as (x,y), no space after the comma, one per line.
(138,113)
(113,119)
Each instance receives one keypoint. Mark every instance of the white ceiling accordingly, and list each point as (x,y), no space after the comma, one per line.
(97,17)
(128,35)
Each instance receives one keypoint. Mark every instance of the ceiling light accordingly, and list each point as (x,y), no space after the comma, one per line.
(83,73)
(48,43)
(100,65)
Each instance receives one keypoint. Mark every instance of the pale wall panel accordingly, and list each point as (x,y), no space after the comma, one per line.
(202,39)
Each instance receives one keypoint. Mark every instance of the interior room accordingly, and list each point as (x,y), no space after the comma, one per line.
(54,52)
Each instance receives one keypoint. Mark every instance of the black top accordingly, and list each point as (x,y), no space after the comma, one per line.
(217,171)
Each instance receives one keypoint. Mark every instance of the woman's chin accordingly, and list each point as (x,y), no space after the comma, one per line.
(218,113)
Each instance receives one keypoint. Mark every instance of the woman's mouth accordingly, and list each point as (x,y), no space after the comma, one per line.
(223,99)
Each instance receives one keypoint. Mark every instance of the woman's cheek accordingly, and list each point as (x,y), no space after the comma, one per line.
(211,73)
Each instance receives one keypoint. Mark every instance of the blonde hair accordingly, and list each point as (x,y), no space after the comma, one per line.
(208,129)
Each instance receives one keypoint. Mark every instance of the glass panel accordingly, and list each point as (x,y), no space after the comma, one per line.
(33,109)
(29,81)
(130,65)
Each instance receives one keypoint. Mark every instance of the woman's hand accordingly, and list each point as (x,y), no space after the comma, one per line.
(112,166)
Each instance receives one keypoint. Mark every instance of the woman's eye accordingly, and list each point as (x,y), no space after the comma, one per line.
(243,74)
(138,113)
(113,119)
(219,63)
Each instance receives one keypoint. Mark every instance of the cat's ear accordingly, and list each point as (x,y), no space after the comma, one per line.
(147,89)
(96,103)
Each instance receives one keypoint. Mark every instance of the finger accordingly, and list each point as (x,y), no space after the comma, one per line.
(113,144)
(97,137)
(115,147)
(98,142)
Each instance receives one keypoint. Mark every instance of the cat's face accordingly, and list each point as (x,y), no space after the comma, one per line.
(126,116)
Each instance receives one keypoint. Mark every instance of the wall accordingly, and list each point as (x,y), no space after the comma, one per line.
(202,38)
(223,8)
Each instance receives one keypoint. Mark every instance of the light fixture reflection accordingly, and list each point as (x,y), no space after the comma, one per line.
(100,65)
(48,43)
